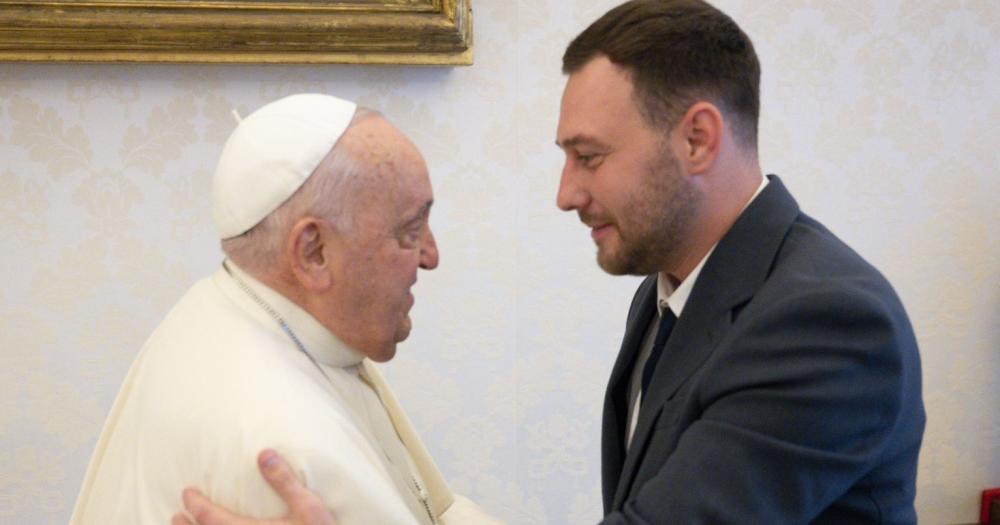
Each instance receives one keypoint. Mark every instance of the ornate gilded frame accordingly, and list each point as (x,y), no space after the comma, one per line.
(433,32)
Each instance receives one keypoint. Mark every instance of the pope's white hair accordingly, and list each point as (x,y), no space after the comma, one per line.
(329,193)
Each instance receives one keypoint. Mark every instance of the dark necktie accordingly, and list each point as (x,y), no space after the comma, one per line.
(662,333)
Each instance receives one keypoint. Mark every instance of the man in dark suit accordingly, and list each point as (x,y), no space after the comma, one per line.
(768,374)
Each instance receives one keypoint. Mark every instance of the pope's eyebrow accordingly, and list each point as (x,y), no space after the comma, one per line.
(423,212)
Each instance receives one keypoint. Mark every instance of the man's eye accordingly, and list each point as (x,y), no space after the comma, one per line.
(589,160)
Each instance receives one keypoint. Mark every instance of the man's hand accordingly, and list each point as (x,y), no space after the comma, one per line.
(304,507)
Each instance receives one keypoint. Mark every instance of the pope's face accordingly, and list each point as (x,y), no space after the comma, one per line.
(390,239)
(621,175)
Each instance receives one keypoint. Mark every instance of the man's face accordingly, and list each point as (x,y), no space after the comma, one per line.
(621,175)
(390,240)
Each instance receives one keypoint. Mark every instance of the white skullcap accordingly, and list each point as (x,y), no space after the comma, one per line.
(270,154)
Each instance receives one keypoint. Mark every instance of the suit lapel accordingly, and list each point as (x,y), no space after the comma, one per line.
(691,342)
(731,275)
(616,396)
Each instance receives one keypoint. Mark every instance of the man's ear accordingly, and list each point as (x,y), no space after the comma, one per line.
(700,133)
(307,250)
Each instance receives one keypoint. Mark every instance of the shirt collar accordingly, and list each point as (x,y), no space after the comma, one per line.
(667,296)
(320,342)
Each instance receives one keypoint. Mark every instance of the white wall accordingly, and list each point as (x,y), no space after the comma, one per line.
(880,116)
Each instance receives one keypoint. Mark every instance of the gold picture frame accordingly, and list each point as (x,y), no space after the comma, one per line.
(428,32)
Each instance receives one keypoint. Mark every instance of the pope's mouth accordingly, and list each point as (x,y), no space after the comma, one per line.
(410,300)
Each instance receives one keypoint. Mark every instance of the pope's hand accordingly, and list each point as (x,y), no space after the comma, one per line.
(305,508)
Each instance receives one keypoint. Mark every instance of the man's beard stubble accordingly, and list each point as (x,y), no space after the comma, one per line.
(658,217)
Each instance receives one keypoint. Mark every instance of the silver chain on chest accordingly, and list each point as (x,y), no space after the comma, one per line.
(277,317)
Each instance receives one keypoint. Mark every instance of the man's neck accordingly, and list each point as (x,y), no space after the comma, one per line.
(722,206)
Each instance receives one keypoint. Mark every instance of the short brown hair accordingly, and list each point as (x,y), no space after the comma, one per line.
(677,52)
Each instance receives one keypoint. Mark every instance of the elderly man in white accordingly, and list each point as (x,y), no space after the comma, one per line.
(323,211)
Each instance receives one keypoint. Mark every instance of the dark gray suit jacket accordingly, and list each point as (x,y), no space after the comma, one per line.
(789,391)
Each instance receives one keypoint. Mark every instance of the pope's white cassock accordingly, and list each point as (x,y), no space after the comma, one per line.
(218,381)
(236,367)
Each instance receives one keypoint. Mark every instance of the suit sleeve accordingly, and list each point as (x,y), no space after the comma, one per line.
(797,405)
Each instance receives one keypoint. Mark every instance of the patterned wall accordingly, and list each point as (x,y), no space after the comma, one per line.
(881,117)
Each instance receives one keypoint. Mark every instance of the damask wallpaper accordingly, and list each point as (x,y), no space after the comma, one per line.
(881,117)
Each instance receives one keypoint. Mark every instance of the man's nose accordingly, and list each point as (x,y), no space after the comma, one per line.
(571,195)
(429,252)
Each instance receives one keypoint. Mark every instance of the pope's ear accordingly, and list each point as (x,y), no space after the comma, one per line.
(307,252)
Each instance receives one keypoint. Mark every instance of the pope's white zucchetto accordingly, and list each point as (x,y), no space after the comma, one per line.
(270,154)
